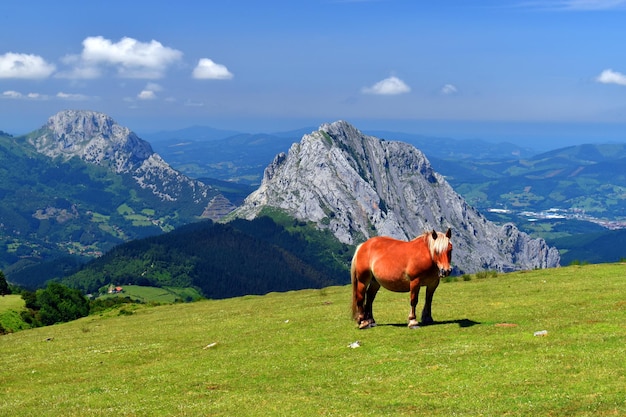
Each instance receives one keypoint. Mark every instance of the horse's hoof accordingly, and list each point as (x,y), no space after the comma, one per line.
(366,324)
(414,324)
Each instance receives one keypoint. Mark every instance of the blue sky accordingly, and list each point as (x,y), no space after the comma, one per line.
(499,70)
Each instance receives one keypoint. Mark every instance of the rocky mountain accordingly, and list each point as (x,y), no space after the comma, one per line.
(358,186)
(82,184)
(97,139)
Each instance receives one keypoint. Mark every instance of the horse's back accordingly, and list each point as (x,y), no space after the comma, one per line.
(386,259)
(394,263)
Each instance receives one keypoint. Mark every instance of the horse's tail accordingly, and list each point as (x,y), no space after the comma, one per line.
(355,282)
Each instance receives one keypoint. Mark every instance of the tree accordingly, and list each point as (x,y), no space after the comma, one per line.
(4,285)
(58,303)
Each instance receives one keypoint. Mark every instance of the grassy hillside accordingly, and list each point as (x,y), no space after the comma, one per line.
(288,354)
(163,295)
(10,308)
(51,209)
(223,260)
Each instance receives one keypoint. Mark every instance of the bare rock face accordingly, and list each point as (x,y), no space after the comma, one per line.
(97,139)
(358,186)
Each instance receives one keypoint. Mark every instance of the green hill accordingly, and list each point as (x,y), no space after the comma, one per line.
(10,308)
(52,209)
(223,260)
(593,247)
(287,354)
(587,178)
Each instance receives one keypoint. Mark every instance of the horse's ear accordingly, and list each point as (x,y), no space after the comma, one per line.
(449,233)
(434,234)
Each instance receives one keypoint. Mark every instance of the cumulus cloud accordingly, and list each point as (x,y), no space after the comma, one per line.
(28,66)
(209,70)
(611,77)
(149,92)
(130,57)
(449,89)
(388,86)
(146,95)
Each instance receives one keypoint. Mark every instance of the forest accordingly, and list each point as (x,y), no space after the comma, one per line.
(223,260)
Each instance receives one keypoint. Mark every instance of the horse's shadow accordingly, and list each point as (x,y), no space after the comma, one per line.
(460,322)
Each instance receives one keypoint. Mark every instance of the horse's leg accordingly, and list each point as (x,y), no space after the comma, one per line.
(427,317)
(360,289)
(372,289)
(415,292)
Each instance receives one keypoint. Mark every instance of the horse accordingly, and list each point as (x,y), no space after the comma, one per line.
(399,266)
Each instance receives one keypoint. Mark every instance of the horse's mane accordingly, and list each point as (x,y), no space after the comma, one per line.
(436,246)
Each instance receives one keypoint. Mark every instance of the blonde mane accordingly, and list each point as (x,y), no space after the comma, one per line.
(439,245)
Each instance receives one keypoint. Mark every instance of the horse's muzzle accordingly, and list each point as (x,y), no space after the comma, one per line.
(444,272)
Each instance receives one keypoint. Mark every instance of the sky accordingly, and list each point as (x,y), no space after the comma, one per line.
(545,72)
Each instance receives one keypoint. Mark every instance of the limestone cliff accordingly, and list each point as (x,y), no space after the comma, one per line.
(358,186)
(97,139)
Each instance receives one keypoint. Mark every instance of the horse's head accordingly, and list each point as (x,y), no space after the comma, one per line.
(441,250)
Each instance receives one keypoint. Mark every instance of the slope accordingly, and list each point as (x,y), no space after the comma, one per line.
(222,260)
(287,354)
(82,184)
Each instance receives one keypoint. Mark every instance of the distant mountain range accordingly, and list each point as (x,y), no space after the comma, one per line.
(82,184)
(581,180)
(584,181)
(583,184)
(335,181)
(204,152)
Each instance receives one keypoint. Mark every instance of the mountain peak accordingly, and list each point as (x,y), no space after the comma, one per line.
(97,139)
(93,137)
(358,186)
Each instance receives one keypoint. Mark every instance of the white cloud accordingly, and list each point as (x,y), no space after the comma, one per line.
(209,70)
(388,86)
(611,77)
(17,95)
(79,69)
(29,66)
(149,92)
(131,58)
(146,95)
(12,94)
(70,96)
(449,89)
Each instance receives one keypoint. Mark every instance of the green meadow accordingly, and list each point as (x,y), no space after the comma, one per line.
(156,294)
(288,354)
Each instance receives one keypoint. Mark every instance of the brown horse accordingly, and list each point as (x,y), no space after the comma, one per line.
(402,267)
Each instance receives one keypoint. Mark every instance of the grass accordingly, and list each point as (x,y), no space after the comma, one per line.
(157,294)
(10,308)
(287,354)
